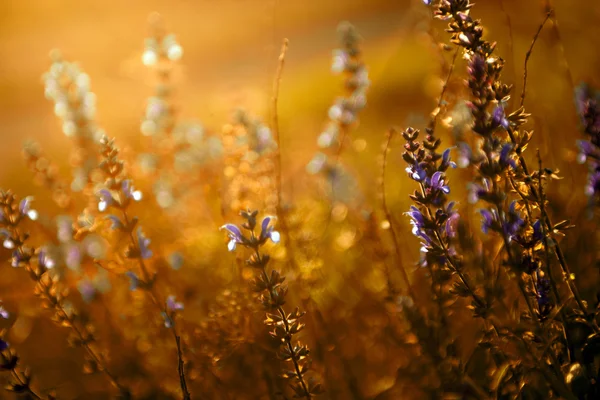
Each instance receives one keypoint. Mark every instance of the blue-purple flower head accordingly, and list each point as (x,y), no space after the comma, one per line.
(25,208)
(505,158)
(499,118)
(418,221)
(235,236)
(3,345)
(417,171)
(143,243)
(134,281)
(268,231)
(438,183)
(452,221)
(173,305)
(3,313)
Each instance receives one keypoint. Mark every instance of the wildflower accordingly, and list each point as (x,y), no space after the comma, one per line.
(438,183)
(134,281)
(173,305)
(499,118)
(116,222)
(129,191)
(452,221)
(3,346)
(26,210)
(417,172)
(44,261)
(489,220)
(3,313)
(267,230)
(106,200)
(143,243)
(235,236)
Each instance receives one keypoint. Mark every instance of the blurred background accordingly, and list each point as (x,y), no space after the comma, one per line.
(230,56)
(230,51)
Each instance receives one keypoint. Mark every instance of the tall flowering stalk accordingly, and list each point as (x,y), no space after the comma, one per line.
(343,114)
(118,194)
(502,142)
(284,325)
(434,219)
(75,105)
(39,265)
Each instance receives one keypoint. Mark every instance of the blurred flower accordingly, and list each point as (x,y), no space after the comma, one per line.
(134,281)
(267,230)
(235,236)
(143,243)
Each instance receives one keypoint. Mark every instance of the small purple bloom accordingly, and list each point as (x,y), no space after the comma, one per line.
(106,199)
(129,191)
(446,162)
(267,230)
(514,223)
(488,219)
(452,221)
(25,208)
(235,236)
(438,183)
(3,345)
(173,305)
(115,222)
(499,118)
(417,172)
(143,243)
(44,260)
(417,219)
(505,158)
(134,281)
(3,313)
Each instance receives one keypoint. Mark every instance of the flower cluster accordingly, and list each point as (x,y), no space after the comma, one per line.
(284,325)
(39,265)
(344,113)
(249,150)
(118,193)
(75,104)
(588,106)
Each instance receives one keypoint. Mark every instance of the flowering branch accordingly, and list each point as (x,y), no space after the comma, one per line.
(284,325)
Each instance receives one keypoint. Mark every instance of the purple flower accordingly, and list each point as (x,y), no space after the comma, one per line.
(417,219)
(173,305)
(3,313)
(3,345)
(452,221)
(446,162)
(488,221)
(592,188)
(106,199)
(143,243)
(267,230)
(115,222)
(235,236)
(134,281)
(44,261)
(417,172)
(26,210)
(514,222)
(499,118)
(129,191)
(505,158)
(438,183)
